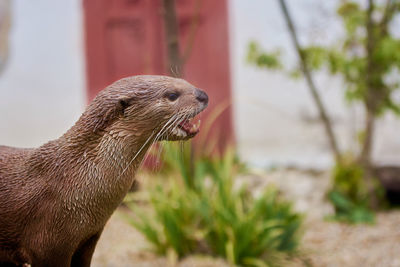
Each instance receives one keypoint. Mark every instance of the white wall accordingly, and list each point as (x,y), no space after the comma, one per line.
(42,88)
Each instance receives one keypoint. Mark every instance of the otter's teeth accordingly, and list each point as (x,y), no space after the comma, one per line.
(195,127)
(179,132)
(182,133)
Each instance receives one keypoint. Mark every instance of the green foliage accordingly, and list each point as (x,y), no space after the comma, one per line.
(349,195)
(363,61)
(211,215)
(348,179)
(363,65)
(315,56)
(352,16)
(349,211)
(263,59)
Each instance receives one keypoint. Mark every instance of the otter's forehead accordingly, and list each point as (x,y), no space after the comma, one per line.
(180,84)
(157,82)
(163,82)
(148,84)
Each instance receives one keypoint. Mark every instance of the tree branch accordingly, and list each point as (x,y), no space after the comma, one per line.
(390,10)
(370,101)
(314,92)
(172,38)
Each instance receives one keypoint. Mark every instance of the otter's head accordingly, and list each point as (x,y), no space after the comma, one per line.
(147,105)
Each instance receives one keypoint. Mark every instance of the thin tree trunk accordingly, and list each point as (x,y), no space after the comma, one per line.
(370,100)
(307,74)
(376,91)
(172,38)
(366,150)
(366,161)
(175,60)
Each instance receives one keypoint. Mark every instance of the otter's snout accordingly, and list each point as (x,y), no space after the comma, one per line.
(201,96)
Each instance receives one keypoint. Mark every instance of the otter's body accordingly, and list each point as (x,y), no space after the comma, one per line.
(56,199)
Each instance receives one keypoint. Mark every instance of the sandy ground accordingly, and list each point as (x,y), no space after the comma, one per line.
(324,243)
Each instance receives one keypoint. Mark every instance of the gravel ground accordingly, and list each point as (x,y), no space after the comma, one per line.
(324,243)
(334,244)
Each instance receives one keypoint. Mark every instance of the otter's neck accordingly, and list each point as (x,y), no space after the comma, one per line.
(94,171)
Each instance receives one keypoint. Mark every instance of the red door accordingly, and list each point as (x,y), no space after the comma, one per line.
(125,37)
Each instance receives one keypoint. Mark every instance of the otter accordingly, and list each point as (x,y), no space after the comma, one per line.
(56,199)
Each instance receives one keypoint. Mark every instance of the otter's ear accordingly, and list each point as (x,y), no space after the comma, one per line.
(110,112)
(123,104)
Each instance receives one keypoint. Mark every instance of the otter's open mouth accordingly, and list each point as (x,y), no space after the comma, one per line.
(186,129)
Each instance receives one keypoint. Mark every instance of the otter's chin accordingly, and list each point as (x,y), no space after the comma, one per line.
(184,131)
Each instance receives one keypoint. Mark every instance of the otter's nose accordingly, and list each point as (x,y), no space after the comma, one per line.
(201,96)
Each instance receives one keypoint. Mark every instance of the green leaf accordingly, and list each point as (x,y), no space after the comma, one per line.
(263,59)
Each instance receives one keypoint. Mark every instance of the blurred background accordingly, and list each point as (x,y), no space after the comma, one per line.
(54,62)
(339,121)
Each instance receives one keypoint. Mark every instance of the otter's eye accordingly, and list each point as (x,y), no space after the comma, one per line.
(172,96)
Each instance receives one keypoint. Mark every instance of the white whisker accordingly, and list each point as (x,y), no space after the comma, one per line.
(159,134)
(134,157)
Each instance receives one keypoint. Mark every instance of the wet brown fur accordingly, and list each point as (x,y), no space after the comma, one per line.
(56,199)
